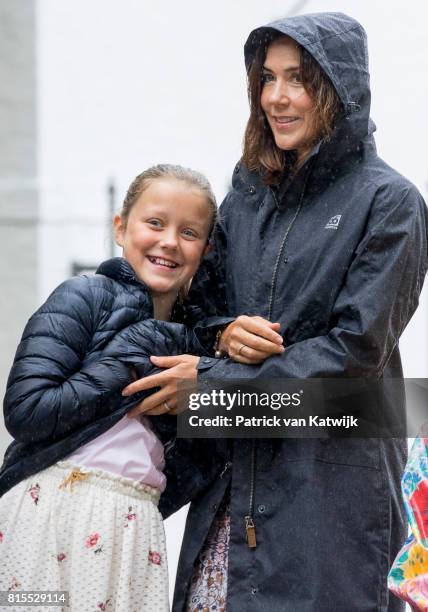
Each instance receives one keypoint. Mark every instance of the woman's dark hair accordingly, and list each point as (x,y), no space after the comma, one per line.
(260,151)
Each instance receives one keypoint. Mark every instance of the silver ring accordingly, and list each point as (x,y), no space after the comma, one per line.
(241,347)
(167,406)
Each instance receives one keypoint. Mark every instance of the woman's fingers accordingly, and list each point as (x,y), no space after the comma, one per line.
(253,343)
(251,331)
(162,400)
(182,369)
(178,366)
(252,340)
(250,356)
(155,380)
(153,412)
(156,399)
(167,361)
(261,327)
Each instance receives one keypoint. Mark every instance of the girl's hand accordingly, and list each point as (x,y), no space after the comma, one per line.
(178,368)
(251,340)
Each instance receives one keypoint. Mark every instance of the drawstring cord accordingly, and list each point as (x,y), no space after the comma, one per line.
(75,476)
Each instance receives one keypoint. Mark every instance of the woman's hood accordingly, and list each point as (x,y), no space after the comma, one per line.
(339,44)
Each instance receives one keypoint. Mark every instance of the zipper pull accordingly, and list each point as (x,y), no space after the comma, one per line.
(227,466)
(251,532)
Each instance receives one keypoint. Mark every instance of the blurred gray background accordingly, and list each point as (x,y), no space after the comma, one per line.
(94,92)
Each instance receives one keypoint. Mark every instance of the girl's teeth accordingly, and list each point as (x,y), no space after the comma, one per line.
(162,262)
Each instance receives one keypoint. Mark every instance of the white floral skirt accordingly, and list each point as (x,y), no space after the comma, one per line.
(96,535)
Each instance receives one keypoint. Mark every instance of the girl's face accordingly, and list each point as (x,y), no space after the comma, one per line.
(165,236)
(284,100)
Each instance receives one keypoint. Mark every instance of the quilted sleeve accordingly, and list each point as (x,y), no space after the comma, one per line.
(50,390)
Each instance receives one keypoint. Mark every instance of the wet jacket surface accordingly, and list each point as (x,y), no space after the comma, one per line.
(338,256)
(73,361)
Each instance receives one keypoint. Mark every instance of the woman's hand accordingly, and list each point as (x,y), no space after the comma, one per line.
(251,340)
(178,368)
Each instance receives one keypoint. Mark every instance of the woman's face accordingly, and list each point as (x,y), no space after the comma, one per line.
(284,100)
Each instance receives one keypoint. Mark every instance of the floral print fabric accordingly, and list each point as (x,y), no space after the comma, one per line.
(98,536)
(208,587)
(408,577)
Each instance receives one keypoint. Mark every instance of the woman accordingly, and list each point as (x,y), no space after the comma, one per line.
(320,235)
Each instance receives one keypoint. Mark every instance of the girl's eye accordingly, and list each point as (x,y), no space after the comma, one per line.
(154,222)
(189,233)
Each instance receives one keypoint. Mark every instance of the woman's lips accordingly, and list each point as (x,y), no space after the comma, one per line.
(285,123)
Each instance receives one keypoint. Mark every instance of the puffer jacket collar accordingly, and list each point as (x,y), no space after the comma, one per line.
(119,269)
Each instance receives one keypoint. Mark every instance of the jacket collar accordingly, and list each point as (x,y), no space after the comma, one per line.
(119,269)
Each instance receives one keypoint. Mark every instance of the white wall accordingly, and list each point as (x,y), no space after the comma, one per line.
(18,185)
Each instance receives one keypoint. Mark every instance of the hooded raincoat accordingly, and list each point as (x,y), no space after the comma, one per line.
(338,256)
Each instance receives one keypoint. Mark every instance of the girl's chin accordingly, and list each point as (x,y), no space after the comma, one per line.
(163,292)
(156,284)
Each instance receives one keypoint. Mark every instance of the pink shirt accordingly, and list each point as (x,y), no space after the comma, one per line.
(129,449)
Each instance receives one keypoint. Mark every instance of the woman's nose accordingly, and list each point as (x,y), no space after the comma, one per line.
(279,93)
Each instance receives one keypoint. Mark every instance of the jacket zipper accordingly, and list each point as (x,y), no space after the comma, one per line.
(250,527)
(281,250)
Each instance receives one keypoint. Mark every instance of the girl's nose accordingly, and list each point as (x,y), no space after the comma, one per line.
(169,240)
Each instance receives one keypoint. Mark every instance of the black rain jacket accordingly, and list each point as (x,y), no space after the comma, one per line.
(338,256)
(76,355)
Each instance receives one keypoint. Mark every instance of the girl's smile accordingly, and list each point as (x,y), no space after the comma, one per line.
(165,236)
(162,262)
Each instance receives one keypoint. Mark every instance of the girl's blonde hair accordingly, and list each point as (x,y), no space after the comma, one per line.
(169,171)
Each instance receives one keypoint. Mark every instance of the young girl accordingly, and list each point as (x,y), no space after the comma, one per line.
(81,481)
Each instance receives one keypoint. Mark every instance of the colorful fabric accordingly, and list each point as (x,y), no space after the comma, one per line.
(408,577)
(208,587)
(98,536)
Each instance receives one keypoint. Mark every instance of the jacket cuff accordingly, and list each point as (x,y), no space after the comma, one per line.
(204,334)
(205,365)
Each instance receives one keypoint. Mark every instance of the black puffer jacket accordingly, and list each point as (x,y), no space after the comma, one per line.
(71,365)
(338,256)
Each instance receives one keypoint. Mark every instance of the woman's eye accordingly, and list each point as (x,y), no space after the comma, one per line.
(267,77)
(296,77)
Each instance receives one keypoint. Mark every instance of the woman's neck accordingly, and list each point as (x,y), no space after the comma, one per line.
(162,306)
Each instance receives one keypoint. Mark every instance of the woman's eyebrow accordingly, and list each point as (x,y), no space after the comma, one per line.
(290,69)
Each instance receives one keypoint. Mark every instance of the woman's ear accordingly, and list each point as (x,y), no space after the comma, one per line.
(206,250)
(119,230)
